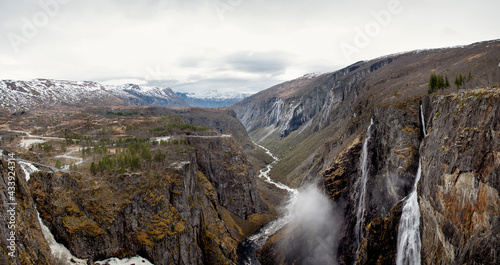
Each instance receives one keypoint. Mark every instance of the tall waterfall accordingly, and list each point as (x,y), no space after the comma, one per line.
(409,243)
(409,228)
(423,120)
(360,213)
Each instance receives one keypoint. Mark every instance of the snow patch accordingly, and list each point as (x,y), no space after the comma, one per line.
(26,143)
(179,165)
(18,95)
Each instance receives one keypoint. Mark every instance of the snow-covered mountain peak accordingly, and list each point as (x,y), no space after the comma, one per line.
(215,94)
(311,75)
(16,95)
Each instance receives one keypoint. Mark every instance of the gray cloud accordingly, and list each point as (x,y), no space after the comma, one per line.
(259,62)
(197,45)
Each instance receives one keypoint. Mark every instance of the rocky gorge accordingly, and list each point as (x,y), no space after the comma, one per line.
(357,145)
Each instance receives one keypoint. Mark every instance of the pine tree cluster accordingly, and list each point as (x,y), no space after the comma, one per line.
(437,82)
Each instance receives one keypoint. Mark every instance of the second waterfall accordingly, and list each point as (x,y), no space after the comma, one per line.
(360,212)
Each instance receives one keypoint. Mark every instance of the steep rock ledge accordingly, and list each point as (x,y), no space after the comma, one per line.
(392,164)
(31,246)
(459,190)
(188,214)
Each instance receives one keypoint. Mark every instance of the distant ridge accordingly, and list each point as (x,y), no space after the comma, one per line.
(48,93)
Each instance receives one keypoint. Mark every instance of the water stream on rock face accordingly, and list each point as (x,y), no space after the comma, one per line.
(59,251)
(360,213)
(423,120)
(247,250)
(409,244)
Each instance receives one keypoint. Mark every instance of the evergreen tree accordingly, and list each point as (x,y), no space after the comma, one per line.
(440,82)
(59,164)
(93,168)
(432,83)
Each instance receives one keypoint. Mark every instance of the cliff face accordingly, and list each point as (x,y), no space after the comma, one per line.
(392,159)
(21,224)
(459,190)
(196,212)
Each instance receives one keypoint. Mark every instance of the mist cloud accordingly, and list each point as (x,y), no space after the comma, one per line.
(313,236)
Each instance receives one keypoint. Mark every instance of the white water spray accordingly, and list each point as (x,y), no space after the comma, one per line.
(309,209)
(360,213)
(409,244)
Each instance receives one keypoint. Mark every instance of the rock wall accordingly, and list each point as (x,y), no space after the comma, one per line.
(30,245)
(459,188)
(392,165)
(196,212)
(459,191)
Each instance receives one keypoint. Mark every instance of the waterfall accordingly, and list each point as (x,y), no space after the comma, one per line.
(360,213)
(409,244)
(423,120)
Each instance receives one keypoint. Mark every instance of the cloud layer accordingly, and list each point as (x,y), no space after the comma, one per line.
(223,44)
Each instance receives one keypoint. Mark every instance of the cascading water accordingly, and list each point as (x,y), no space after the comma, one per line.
(409,244)
(360,213)
(423,120)
(247,250)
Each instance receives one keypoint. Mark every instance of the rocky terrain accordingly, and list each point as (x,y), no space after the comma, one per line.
(303,121)
(191,202)
(192,213)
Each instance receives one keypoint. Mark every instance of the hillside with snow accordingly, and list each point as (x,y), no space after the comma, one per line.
(47,93)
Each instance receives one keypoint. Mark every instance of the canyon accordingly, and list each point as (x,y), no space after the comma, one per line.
(348,163)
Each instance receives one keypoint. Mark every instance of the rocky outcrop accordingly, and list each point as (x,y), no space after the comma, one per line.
(22,240)
(459,190)
(392,157)
(225,165)
(195,212)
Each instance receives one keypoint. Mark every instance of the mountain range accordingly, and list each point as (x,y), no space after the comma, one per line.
(48,93)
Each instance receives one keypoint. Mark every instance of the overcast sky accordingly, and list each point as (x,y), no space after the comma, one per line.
(244,45)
